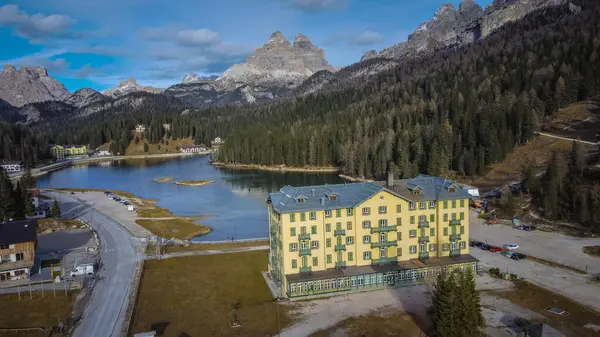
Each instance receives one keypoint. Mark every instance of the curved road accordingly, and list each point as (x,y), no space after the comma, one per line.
(104,314)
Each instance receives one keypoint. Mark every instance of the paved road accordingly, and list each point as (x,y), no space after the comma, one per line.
(566,138)
(105,312)
(549,246)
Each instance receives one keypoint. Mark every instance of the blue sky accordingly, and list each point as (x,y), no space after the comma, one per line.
(97,43)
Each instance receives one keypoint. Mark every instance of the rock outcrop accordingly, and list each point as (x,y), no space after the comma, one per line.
(83,97)
(469,23)
(277,64)
(29,85)
(194,78)
(129,86)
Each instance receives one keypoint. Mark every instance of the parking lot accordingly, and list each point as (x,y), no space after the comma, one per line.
(549,246)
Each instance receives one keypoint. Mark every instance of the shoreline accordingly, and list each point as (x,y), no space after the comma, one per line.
(139,156)
(280,168)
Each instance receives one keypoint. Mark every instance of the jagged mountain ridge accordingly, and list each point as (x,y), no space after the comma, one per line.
(29,85)
(85,96)
(128,86)
(194,78)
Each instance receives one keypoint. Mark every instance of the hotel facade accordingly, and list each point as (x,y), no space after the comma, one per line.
(337,238)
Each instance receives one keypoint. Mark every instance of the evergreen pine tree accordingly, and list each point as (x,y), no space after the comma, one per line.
(145,147)
(27,180)
(528,177)
(55,210)
(7,201)
(19,202)
(470,316)
(577,158)
(445,320)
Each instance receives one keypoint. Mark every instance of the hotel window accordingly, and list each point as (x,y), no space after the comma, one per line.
(382,209)
(303,216)
(412,233)
(411,206)
(462,215)
(445,231)
(366,255)
(422,218)
(432,247)
(315,261)
(328,243)
(313,215)
(399,236)
(462,245)
(462,229)
(445,217)
(349,225)
(432,204)
(366,211)
(338,213)
(314,244)
(413,249)
(398,208)
(303,230)
(349,211)
(328,258)
(453,216)
(367,239)
(366,224)
(293,231)
(294,264)
(313,230)
(422,205)
(3,247)
(382,222)
(398,221)
(349,240)
(292,217)
(338,226)
(350,256)
(445,247)
(399,251)
(328,227)
(432,232)
(445,204)
(462,202)
(453,203)
(328,213)
(431,217)
(293,247)
(412,219)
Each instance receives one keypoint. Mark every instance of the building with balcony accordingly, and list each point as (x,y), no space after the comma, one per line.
(335,238)
(62,151)
(11,166)
(18,241)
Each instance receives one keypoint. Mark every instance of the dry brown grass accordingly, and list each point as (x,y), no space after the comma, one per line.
(172,147)
(163,179)
(592,250)
(37,312)
(539,300)
(193,182)
(50,224)
(82,190)
(565,117)
(214,246)
(178,228)
(194,296)
(384,324)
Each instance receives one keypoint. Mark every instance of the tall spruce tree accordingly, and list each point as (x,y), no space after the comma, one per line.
(56,210)
(27,180)
(469,304)
(445,319)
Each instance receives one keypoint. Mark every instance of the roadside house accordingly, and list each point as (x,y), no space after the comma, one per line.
(11,166)
(18,240)
(192,149)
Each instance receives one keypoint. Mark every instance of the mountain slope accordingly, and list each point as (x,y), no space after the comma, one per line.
(83,97)
(29,85)
(129,86)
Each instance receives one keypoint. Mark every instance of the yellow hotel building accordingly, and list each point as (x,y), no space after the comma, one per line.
(334,238)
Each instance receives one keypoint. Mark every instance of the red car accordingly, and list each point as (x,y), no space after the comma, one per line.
(495,249)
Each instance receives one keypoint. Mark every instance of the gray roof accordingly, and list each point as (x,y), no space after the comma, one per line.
(430,189)
(18,232)
(318,197)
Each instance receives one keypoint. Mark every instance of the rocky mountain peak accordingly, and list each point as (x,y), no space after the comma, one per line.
(29,85)
(194,78)
(83,97)
(277,42)
(128,86)
(470,10)
(128,82)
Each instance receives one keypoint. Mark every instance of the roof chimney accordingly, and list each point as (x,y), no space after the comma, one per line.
(322,201)
(312,192)
(390,179)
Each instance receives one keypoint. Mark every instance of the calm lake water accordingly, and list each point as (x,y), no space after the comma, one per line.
(235,202)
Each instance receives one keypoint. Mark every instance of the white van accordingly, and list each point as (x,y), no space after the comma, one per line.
(83,269)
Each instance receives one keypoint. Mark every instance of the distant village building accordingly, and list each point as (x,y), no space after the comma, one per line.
(11,166)
(217,141)
(103,153)
(42,209)
(167,127)
(18,240)
(140,128)
(62,151)
(192,149)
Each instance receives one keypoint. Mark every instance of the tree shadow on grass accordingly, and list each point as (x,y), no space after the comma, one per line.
(160,328)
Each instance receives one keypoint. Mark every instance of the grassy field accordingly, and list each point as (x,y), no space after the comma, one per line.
(195,296)
(172,146)
(116,192)
(36,312)
(592,250)
(50,224)
(174,228)
(196,247)
(384,325)
(539,300)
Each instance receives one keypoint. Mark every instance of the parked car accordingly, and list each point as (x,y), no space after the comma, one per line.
(495,249)
(484,246)
(474,243)
(83,269)
(525,228)
(511,246)
(519,256)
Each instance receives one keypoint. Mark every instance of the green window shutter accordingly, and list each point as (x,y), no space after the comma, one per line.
(445,204)
(462,202)
(432,232)
(462,229)
(302,216)
(412,219)
(328,227)
(431,218)
(338,213)
(462,215)
(313,229)
(315,261)
(350,256)
(294,264)
(445,217)
(398,208)
(328,243)
(328,258)
(445,231)
(453,203)
(292,217)
(453,216)
(293,231)
(291,249)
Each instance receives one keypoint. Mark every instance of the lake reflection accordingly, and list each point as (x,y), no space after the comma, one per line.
(235,201)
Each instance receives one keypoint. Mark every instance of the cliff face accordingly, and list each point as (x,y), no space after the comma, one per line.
(29,85)
(83,97)
(469,23)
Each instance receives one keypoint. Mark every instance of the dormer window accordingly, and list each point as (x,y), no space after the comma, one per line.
(301,200)
(332,197)
(452,189)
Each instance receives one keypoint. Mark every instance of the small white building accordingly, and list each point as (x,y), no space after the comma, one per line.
(11,166)
(192,149)
(217,141)
(140,128)
(103,153)
(167,127)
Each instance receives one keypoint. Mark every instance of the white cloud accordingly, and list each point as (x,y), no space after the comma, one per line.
(200,37)
(367,38)
(319,5)
(35,26)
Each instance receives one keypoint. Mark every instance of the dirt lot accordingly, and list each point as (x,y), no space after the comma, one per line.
(386,323)
(581,120)
(35,312)
(195,296)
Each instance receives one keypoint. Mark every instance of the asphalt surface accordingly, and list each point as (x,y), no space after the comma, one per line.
(104,314)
